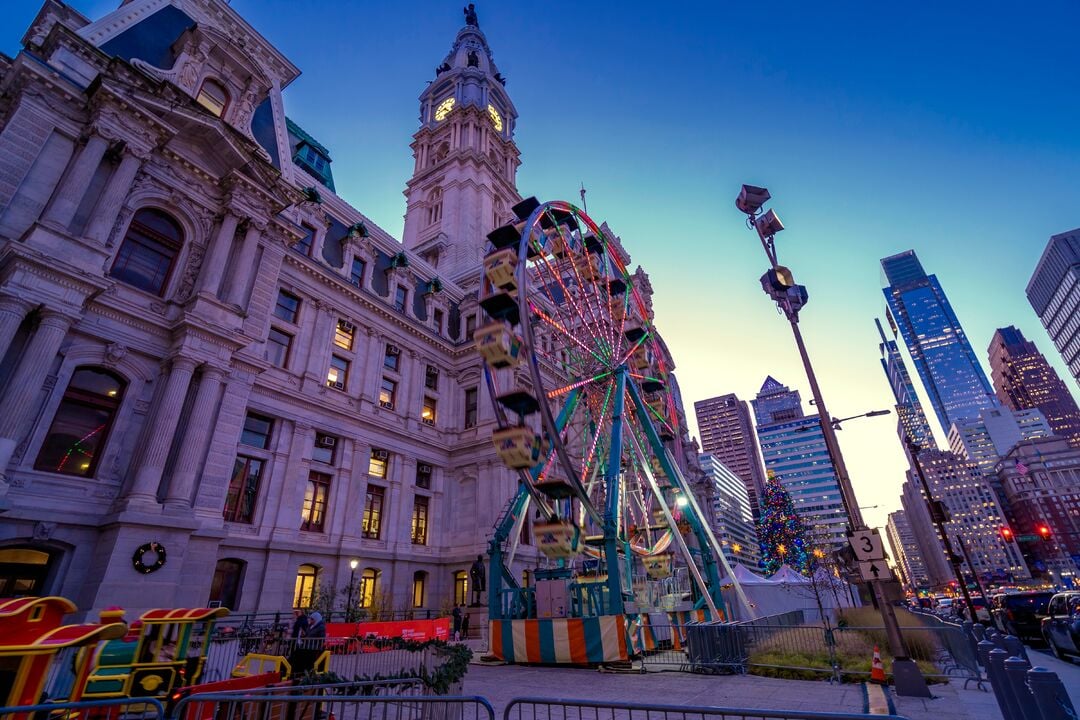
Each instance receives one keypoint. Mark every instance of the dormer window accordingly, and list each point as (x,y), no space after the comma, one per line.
(213,96)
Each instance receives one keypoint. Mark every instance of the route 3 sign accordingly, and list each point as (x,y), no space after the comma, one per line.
(875,570)
(867,545)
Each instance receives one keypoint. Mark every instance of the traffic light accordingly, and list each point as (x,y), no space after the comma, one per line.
(1006,534)
(1044,531)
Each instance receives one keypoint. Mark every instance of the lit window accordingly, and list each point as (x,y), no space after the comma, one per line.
(307,580)
(338,374)
(81,423)
(392,357)
(377,466)
(418,588)
(325,447)
(419,520)
(344,334)
(471,398)
(461,587)
(256,431)
(371,525)
(356,276)
(315,495)
(400,296)
(277,347)
(213,96)
(287,307)
(431,378)
(427,412)
(369,585)
(243,490)
(145,258)
(387,392)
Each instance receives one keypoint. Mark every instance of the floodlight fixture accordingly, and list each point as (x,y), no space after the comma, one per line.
(751,198)
(769,224)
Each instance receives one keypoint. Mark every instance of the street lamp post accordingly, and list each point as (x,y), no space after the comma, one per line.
(779,284)
(353,564)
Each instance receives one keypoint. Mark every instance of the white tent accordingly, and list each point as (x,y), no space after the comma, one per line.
(784,591)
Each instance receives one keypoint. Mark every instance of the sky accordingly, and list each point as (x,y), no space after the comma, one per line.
(949,128)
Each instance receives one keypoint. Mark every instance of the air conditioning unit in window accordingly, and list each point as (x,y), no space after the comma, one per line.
(386,404)
(432,370)
(338,385)
(380,454)
(428,421)
(346,326)
(393,350)
(423,467)
(326,441)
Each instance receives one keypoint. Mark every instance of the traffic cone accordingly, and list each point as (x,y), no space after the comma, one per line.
(877,670)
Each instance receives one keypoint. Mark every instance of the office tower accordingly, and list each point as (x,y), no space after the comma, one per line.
(950,372)
(728,434)
(910,416)
(1041,479)
(1054,292)
(730,518)
(974,515)
(793,447)
(1023,379)
(906,551)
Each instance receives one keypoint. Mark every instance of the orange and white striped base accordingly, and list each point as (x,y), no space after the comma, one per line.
(563,641)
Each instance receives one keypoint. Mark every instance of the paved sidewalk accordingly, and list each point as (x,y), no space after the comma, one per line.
(501,683)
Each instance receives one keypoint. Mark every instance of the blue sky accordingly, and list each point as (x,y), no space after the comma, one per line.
(878,128)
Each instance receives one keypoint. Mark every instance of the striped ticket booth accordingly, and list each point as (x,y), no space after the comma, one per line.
(566,641)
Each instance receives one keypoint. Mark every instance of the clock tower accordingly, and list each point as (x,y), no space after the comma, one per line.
(464,181)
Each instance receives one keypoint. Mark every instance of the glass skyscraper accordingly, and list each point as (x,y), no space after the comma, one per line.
(793,448)
(912,419)
(956,384)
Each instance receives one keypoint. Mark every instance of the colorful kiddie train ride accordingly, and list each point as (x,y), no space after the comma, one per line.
(587,417)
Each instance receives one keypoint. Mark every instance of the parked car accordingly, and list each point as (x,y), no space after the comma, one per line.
(1021,614)
(1061,626)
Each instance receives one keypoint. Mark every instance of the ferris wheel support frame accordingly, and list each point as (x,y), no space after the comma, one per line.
(611,511)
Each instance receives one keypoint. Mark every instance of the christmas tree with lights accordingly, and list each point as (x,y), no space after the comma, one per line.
(784,539)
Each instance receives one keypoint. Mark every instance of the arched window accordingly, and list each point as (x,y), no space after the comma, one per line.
(369,586)
(82,422)
(213,96)
(146,256)
(419,588)
(307,581)
(228,579)
(24,571)
(434,212)
(461,587)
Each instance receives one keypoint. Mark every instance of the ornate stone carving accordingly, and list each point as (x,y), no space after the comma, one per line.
(191,273)
(44,530)
(141,407)
(114,353)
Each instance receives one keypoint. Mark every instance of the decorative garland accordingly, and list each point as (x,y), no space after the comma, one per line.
(137,558)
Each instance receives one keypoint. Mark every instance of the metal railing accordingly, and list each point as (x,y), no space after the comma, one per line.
(547,709)
(112,709)
(317,706)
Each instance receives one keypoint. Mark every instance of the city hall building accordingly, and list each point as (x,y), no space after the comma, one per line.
(220,382)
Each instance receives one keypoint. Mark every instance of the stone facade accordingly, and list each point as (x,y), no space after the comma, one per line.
(205,347)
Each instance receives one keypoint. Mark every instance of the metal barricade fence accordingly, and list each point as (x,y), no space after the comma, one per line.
(547,709)
(304,706)
(113,709)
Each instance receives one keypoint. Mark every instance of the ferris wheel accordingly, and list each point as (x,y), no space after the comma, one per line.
(584,402)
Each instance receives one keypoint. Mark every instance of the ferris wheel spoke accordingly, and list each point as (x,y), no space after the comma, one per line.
(553,323)
(567,297)
(577,384)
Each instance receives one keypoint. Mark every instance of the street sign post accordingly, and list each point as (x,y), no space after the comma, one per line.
(867,545)
(874,570)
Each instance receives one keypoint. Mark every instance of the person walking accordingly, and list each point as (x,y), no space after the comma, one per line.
(465,626)
(300,623)
(316,626)
(456,614)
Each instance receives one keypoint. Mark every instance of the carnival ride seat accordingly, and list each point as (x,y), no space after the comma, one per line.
(520,401)
(517,446)
(500,268)
(555,538)
(555,487)
(501,305)
(498,344)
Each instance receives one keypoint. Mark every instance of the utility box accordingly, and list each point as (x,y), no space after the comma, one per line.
(552,598)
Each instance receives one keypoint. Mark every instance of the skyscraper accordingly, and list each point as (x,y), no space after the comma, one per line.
(1023,380)
(1054,292)
(912,420)
(728,434)
(793,447)
(730,519)
(943,357)
(906,551)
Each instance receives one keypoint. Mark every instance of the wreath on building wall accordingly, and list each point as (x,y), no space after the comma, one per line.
(140,563)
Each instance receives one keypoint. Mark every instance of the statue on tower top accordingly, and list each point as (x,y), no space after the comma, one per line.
(470,16)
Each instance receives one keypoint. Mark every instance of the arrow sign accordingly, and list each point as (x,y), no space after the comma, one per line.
(867,545)
(874,570)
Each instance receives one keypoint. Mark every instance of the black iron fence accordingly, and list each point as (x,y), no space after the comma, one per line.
(548,709)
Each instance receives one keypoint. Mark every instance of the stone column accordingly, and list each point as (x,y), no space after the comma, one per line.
(112,198)
(200,422)
(12,313)
(213,268)
(75,184)
(245,264)
(322,332)
(159,439)
(25,384)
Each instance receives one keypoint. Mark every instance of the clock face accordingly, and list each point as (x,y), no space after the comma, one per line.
(444,109)
(496,119)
